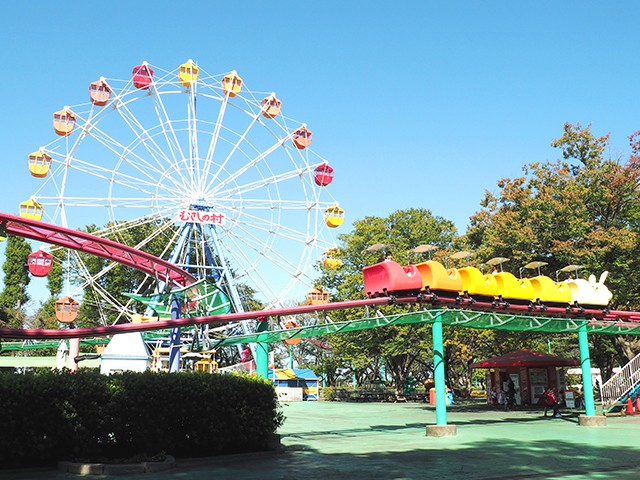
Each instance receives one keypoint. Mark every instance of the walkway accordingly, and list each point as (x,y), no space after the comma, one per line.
(387,441)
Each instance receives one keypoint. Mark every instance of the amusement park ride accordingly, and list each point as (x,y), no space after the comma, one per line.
(229,184)
(240,202)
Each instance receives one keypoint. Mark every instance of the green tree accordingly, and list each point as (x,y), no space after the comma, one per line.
(563,213)
(403,349)
(114,280)
(16,274)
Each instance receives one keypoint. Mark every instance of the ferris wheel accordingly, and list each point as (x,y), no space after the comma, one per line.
(229,184)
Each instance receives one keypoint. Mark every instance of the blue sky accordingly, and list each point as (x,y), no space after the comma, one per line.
(415,104)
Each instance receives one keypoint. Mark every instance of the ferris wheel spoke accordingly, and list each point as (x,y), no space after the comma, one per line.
(249,165)
(93,130)
(193,128)
(109,175)
(252,225)
(107,202)
(126,154)
(243,189)
(221,167)
(295,273)
(216,129)
(168,131)
(241,257)
(143,136)
(122,153)
(91,281)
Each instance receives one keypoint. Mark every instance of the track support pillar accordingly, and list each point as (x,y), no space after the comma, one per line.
(587,382)
(262,349)
(441,428)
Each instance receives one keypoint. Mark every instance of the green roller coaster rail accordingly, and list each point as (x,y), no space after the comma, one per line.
(44,344)
(454,317)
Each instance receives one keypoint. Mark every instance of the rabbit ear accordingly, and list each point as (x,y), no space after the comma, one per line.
(603,277)
(592,278)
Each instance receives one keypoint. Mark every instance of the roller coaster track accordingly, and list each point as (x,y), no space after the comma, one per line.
(600,320)
(537,318)
(102,247)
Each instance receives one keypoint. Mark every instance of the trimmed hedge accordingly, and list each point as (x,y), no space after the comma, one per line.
(49,416)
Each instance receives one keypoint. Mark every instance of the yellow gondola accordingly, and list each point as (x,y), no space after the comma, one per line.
(188,73)
(31,209)
(231,84)
(317,296)
(331,259)
(334,216)
(39,164)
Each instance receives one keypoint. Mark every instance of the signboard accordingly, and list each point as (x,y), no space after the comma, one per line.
(570,399)
(199,216)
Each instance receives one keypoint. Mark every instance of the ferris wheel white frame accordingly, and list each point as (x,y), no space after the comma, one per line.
(139,158)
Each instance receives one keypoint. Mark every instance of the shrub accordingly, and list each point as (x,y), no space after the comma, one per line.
(50,416)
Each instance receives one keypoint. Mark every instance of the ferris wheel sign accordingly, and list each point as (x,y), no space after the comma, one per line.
(197,216)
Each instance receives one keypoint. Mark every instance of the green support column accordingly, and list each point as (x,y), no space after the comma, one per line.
(291,357)
(590,418)
(438,373)
(440,429)
(585,362)
(262,350)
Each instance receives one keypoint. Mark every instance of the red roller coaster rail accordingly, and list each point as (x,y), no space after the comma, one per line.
(102,247)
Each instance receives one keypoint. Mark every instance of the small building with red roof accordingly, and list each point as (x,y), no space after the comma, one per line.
(531,372)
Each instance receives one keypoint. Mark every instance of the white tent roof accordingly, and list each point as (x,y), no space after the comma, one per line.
(126,346)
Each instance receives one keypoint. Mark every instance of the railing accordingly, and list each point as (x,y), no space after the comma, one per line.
(623,382)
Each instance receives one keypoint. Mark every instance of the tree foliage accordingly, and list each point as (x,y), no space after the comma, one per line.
(563,212)
(402,349)
(16,279)
(116,279)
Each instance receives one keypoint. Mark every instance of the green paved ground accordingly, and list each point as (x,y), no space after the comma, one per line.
(387,441)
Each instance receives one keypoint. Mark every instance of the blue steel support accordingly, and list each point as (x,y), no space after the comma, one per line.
(438,373)
(585,362)
(174,343)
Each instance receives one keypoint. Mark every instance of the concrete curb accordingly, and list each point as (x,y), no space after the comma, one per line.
(117,468)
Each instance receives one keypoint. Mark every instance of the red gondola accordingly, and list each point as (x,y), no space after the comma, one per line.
(142,76)
(99,92)
(323,175)
(40,263)
(302,138)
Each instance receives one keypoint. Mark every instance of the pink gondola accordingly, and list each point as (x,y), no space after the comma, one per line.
(323,175)
(142,76)
(39,263)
